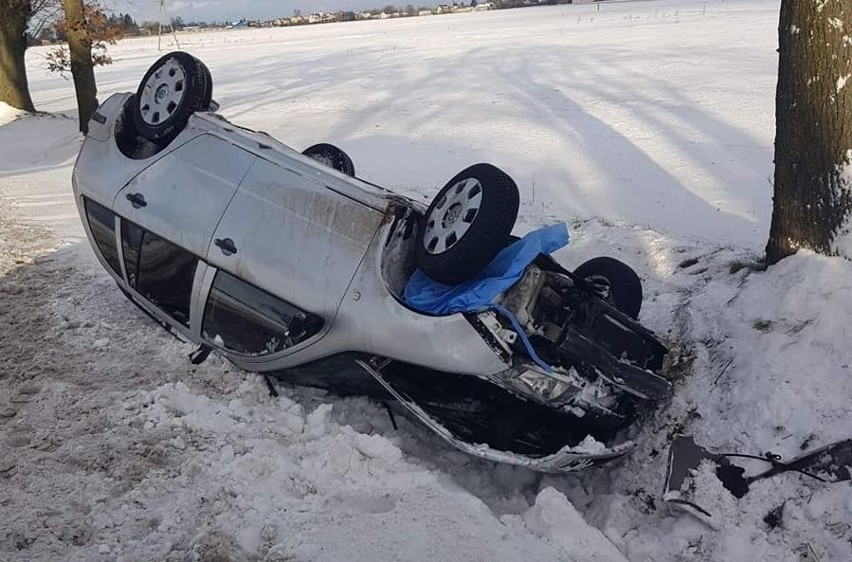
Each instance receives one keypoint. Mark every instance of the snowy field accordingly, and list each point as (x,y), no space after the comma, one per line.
(648,126)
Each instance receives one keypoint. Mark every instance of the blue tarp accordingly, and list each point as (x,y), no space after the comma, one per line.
(426,295)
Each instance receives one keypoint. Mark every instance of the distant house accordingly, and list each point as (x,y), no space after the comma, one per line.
(242,24)
(484,7)
(424,13)
(443,9)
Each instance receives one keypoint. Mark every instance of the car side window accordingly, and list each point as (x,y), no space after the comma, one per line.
(160,271)
(102,224)
(250,321)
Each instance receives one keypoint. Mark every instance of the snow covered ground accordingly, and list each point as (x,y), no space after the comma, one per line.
(647,125)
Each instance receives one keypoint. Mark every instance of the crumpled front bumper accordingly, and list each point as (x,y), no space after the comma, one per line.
(585,455)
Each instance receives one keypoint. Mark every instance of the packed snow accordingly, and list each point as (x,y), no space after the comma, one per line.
(8,113)
(647,125)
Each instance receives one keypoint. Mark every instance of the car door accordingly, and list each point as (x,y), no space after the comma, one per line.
(182,196)
(293,236)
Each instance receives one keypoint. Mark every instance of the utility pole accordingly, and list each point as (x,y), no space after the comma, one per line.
(164,14)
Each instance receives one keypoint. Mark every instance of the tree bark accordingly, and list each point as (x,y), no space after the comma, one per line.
(82,69)
(813,139)
(14,89)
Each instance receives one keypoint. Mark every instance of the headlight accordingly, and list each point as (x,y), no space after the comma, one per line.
(545,385)
(557,389)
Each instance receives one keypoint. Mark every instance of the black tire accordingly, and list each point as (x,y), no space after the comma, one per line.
(165,99)
(453,259)
(209,99)
(616,283)
(332,157)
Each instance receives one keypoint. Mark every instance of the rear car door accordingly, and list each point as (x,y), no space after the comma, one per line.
(293,236)
(182,196)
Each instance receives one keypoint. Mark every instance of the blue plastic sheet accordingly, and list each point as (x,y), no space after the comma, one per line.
(426,295)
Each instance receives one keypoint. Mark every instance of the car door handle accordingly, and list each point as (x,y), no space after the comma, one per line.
(226,245)
(136,199)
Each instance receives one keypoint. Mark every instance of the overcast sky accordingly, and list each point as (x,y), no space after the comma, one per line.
(209,10)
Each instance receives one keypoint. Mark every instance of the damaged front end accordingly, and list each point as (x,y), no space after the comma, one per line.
(580,373)
(490,422)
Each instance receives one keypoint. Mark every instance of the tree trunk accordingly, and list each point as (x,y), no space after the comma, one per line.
(14,89)
(82,69)
(813,139)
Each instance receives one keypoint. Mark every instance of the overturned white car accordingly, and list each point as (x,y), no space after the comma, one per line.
(288,264)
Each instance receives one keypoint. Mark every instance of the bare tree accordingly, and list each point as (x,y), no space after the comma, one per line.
(82,68)
(813,140)
(14,89)
(45,13)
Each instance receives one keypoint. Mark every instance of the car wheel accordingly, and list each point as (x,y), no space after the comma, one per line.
(332,157)
(175,87)
(615,282)
(208,100)
(467,224)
